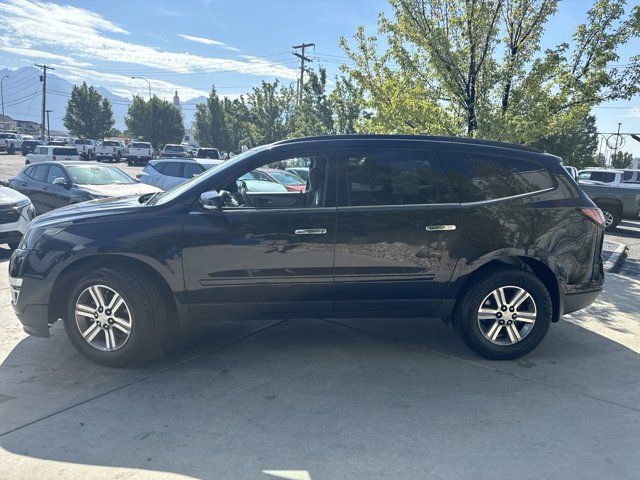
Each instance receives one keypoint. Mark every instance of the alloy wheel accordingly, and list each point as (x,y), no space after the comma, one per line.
(608,218)
(507,315)
(103,318)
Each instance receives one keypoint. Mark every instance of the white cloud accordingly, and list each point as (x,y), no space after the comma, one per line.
(208,41)
(33,53)
(87,35)
(125,86)
(205,41)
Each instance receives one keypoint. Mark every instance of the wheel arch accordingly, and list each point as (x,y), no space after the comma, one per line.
(532,265)
(83,265)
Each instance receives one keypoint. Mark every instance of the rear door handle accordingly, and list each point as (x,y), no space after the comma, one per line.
(440,228)
(311,231)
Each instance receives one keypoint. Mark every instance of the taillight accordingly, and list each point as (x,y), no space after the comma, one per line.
(593,214)
(53,158)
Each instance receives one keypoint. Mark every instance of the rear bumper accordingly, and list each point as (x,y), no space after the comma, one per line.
(577,301)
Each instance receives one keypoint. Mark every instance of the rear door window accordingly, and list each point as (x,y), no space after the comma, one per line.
(605,177)
(391,177)
(173,169)
(478,176)
(40,173)
(192,169)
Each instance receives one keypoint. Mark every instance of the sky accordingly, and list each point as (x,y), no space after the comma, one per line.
(186,45)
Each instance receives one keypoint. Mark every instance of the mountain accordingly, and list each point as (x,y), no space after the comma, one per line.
(23,98)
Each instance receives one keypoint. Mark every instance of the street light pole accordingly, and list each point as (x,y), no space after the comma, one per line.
(2,96)
(148,83)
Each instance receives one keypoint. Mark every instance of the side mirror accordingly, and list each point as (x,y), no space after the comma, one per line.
(61,182)
(211,201)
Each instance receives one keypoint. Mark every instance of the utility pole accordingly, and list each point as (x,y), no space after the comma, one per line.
(303,59)
(4,125)
(615,148)
(43,79)
(48,126)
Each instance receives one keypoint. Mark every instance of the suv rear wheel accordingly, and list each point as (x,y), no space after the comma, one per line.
(504,315)
(115,317)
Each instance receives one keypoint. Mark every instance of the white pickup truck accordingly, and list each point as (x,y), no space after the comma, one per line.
(139,152)
(10,142)
(610,177)
(112,150)
(86,148)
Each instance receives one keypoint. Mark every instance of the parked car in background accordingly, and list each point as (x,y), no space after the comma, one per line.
(86,148)
(10,142)
(174,151)
(616,202)
(52,185)
(206,152)
(112,150)
(52,153)
(59,143)
(29,145)
(608,176)
(168,173)
(139,152)
(16,212)
(495,238)
(291,181)
(302,172)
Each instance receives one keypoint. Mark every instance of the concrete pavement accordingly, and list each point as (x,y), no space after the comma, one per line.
(327,399)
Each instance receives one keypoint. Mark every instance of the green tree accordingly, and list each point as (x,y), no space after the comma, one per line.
(210,123)
(621,160)
(236,115)
(271,109)
(576,144)
(477,67)
(314,114)
(88,113)
(347,103)
(157,121)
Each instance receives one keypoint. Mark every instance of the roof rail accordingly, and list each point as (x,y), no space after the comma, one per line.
(435,138)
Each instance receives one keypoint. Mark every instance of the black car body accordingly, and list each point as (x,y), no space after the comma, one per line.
(52,185)
(388,226)
(29,145)
(204,152)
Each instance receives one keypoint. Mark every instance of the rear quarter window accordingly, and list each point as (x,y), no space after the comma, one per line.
(479,176)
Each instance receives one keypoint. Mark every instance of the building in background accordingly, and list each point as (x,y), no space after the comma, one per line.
(7,123)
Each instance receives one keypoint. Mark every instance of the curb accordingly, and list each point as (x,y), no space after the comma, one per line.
(617,258)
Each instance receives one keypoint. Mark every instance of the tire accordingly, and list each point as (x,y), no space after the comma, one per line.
(143,307)
(471,329)
(612,217)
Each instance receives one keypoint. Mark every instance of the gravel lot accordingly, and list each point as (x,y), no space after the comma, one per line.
(328,399)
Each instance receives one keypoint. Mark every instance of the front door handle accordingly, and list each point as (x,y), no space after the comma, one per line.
(311,231)
(440,228)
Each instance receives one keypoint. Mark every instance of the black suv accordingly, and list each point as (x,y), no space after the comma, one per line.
(495,238)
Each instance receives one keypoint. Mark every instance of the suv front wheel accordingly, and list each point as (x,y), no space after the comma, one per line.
(115,317)
(504,315)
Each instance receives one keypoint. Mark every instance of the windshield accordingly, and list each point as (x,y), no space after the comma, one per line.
(175,192)
(287,178)
(98,175)
(141,145)
(110,143)
(208,152)
(174,148)
(83,142)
